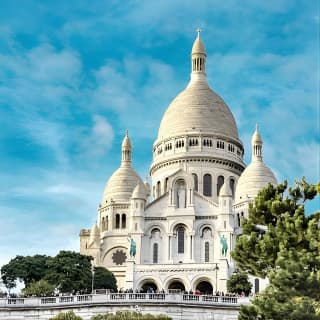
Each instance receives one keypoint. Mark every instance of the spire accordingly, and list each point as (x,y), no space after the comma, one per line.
(256,143)
(126,151)
(225,190)
(198,58)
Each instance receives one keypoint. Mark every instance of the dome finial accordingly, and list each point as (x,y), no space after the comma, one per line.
(198,59)
(198,30)
(256,143)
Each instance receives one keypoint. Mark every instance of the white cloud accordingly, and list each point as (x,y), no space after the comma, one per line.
(99,139)
(134,87)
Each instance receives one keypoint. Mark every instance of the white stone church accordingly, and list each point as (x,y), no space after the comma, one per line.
(178,233)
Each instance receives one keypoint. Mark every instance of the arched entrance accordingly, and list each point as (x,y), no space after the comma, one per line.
(204,287)
(149,284)
(176,285)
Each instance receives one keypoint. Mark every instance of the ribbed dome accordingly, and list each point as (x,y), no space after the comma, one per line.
(254,178)
(121,185)
(198,109)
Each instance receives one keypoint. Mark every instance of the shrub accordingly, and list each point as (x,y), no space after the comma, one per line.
(129,315)
(70,315)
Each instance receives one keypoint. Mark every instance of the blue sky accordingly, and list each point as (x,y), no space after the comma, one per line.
(74,75)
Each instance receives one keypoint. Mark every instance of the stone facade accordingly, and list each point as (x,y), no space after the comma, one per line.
(178,233)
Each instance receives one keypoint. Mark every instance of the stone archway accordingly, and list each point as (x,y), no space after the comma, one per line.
(149,284)
(205,287)
(176,285)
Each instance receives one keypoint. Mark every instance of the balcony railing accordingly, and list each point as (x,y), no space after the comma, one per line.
(121,298)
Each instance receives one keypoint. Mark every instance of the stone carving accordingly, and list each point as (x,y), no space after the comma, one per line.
(119,257)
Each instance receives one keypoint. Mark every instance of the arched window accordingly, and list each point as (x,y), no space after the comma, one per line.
(206,233)
(231,182)
(180,234)
(158,189)
(103,224)
(206,252)
(117,221)
(123,221)
(155,253)
(166,184)
(207,185)
(106,224)
(220,182)
(195,181)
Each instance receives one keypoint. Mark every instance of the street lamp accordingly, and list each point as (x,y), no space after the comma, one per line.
(216,268)
(92,278)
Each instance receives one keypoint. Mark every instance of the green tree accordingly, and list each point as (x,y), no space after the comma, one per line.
(129,315)
(26,269)
(281,242)
(104,279)
(70,315)
(40,288)
(239,283)
(70,272)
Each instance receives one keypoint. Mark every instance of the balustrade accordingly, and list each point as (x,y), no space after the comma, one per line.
(121,297)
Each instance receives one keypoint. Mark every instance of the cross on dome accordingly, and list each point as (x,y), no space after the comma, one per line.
(198,30)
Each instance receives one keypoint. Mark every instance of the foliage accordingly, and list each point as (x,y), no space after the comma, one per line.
(129,315)
(67,271)
(27,269)
(287,252)
(70,272)
(70,315)
(40,288)
(104,279)
(239,283)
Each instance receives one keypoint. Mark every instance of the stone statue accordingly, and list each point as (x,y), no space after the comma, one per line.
(133,248)
(224,245)
(181,196)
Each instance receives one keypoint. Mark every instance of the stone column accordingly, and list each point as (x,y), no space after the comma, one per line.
(111,212)
(169,247)
(129,278)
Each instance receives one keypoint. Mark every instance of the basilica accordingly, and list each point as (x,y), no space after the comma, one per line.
(177,232)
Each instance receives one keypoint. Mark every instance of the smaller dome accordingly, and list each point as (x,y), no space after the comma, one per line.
(121,185)
(254,178)
(139,192)
(257,175)
(225,190)
(123,181)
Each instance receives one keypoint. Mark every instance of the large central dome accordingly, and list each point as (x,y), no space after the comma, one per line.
(197,127)
(198,109)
